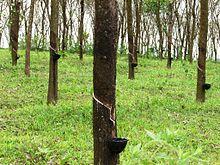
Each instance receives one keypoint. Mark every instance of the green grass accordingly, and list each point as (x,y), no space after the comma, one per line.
(157,112)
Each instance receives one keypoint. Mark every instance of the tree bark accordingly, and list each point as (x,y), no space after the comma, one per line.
(138,4)
(104,81)
(52,96)
(131,58)
(64,36)
(123,27)
(81,30)
(14,29)
(170,31)
(28,39)
(159,26)
(192,33)
(201,77)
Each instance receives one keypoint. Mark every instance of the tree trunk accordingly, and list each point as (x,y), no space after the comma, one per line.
(159,26)
(192,33)
(104,81)
(138,4)
(200,95)
(28,39)
(170,31)
(64,38)
(14,29)
(214,48)
(81,30)
(188,29)
(43,35)
(123,27)
(1,27)
(52,96)
(131,58)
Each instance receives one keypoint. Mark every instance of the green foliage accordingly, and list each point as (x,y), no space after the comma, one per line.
(157,112)
(153,5)
(74,48)
(36,44)
(123,50)
(88,49)
(22,43)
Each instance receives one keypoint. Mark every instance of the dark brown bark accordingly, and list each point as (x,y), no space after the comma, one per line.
(104,81)
(52,96)
(170,32)
(201,78)
(159,26)
(138,4)
(70,37)
(131,58)
(28,39)
(81,30)
(14,29)
(64,36)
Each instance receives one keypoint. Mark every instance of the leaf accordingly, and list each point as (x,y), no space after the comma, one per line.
(152,136)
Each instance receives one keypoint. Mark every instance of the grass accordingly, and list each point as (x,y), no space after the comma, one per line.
(157,112)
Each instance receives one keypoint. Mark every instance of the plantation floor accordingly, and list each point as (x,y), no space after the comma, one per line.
(157,112)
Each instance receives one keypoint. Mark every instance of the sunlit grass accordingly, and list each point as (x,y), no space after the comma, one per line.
(157,112)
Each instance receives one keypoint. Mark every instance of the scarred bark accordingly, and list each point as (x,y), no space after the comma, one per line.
(104,81)
(201,78)
(52,96)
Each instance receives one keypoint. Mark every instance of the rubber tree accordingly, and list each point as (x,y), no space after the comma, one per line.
(123,27)
(81,24)
(193,30)
(203,31)
(160,28)
(28,38)
(52,96)
(138,5)
(170,34)
(15,6)
(131,59)
(104,80)
(64,31)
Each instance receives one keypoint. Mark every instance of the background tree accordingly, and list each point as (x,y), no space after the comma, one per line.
(192,36)
(201,78)
(138,4)
(104,80)
(81,31)
(14,29)
(28,38)
(170,34)
(64,36)
(52,96)
(131,58)
(160,28)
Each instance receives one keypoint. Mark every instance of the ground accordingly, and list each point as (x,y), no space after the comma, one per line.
(157,112)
